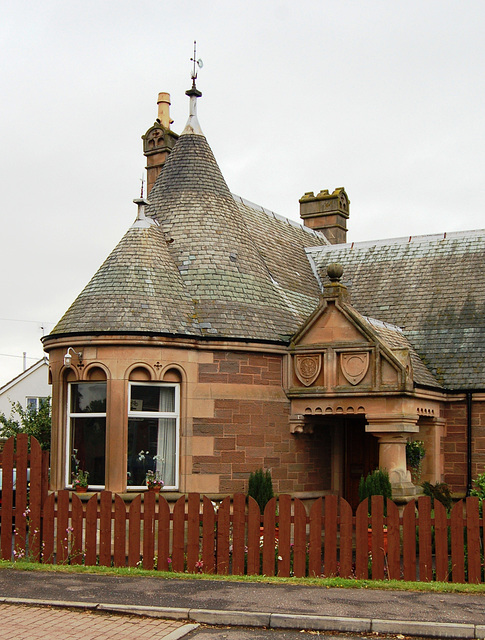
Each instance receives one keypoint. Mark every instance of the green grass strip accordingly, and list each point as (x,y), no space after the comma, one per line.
(323,583)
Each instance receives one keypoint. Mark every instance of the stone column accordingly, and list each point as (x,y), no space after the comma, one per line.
(393,435)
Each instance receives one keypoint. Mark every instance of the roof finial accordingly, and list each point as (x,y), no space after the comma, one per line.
(142,180)
(197,64)
(193,125)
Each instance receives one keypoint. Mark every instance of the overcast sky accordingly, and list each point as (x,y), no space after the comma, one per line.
(384,98)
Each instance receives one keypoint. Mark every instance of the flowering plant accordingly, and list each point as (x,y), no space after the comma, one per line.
(153,480)
(80,478)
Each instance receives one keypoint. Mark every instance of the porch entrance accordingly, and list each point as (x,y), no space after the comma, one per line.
(361,456)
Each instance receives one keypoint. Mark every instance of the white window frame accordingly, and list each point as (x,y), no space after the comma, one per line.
(160,414)
(70,415)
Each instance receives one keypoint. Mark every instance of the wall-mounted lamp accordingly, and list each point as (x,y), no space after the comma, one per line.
(68,356)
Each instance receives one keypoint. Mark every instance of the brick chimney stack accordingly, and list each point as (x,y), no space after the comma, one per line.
(158,141)
(326,212)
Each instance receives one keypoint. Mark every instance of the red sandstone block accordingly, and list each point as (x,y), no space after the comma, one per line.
(233,456)
(239,378)
(206,367)
(455,457)
(241,418)
(248,441)
(236,355)
(231,366)
(248,368)
(224,443)
(214,377)
(247,467)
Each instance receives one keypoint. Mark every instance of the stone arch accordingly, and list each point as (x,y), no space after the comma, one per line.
(173,373)
(140,372)
(96,372)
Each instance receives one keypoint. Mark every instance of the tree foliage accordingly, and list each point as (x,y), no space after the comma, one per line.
(33,422)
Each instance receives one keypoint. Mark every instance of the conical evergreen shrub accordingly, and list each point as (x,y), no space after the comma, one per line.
(260,487)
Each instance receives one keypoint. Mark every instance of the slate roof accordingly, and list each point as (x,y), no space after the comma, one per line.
(212,264)
(433,287)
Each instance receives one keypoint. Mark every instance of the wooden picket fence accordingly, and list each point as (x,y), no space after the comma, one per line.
(195,535)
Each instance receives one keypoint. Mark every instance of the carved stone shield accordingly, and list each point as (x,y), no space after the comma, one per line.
(354,366)
(308,367)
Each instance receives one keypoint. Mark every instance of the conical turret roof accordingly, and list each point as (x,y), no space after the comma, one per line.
(137,289)
(205,264)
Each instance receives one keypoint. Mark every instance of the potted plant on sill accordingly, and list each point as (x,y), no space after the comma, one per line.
(80,481)
(153,481)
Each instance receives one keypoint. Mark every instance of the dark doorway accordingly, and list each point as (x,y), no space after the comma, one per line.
(361,456)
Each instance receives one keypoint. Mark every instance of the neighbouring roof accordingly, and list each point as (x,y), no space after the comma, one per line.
(25,374)
(213,264)
(433,287)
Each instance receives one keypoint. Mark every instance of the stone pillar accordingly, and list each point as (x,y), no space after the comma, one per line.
(116,435)
(393,433)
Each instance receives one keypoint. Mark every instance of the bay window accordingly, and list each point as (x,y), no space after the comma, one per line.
(153,433)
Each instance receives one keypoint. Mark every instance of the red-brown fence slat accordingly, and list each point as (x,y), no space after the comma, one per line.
(62,532)
(7,499)
(473,540)
(315,539)
(105,514)
(178,539)
(149,502)
(330,537)
(299,545)
(193,532)
(163,542)
(284,535)
(223,528)
(119,532)
(238,533)
(362,541)
(393,541)
(254,536)
(76,532)
(91,534)
(345,570)
(378,548)
(48,525)
(21,513)
(457,543)
(269,530)
(134,533)
(35,499)
(409,541)
(441,541)
(208,536)
(425,547)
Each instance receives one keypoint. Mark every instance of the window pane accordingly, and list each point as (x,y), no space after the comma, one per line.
(151,446)
(88,397)
(88,437)
(151,398)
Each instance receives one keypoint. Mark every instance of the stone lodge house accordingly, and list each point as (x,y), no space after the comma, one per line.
(219,337)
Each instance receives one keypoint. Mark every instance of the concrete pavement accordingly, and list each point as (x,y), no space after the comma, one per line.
(283,606)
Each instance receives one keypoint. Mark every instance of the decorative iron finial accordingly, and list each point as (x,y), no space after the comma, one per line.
(142,180)
(198,64)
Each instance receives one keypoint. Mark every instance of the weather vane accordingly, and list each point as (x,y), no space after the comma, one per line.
(198,64)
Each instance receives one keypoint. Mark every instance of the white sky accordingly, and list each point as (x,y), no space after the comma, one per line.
(382,97)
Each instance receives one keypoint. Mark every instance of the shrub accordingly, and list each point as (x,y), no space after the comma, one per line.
(439,491)
(376,483)
(415,453)
(261,487)
(479,490)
